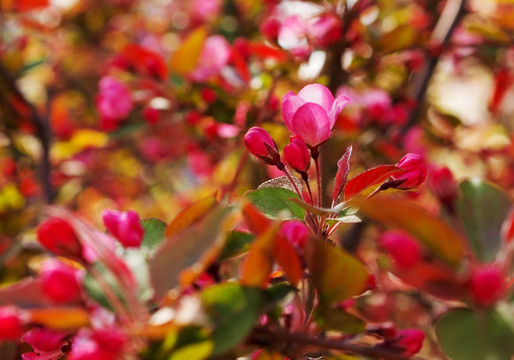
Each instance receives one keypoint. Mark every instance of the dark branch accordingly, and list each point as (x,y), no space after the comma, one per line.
(43,132)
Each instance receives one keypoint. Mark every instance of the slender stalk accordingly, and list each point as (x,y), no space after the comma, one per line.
(305,178)
(284,169)
(315,156)
(266,336)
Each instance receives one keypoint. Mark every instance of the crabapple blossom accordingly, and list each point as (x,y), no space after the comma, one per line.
(261,145)
(312,113)
(58,236)
(124,226)
(296,154)
(415,170)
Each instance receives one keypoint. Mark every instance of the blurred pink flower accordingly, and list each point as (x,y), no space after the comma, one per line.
(46,344)
(97,345)
(11,324)
(312,113)
(214,56)
(124,226)
(295,232)
(486,284)
(402,247)
(114,101)
(58,236)
(60,281)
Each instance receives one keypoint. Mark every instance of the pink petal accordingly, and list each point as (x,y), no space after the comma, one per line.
(312,124)
(339,104)
(290,104)
(318,94)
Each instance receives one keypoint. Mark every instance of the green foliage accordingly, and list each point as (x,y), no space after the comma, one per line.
(467,335)
(276,203)
(154,233)
(482,209)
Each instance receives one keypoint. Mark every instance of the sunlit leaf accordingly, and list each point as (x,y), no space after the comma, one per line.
(154,233)
(190,215)
(184,60)
(60,318)
(234,309)
(282,182)
(369,178)
(336,274)
(482,209)
(195,351)
(81,140)
(437,235)
(254,219)
(276,203)
(465,335)
(337,319)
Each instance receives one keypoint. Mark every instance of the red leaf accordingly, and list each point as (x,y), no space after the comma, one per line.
(240,64)
(369,178)
(255,220)
(343,168)
(264,51)
(288,259)
(503,80)
(258,264)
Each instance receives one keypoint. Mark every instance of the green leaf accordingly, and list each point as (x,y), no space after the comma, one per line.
(277,292)
(465,335)
(482,209)
(154,233)
(237,243)
(195,351)
(234,309)
(336,274)
(276,203)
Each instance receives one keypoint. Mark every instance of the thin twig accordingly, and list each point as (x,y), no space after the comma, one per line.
(450,18)
(266,336)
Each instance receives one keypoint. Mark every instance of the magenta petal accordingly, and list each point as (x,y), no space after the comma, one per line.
(318,94)
(339,104)
(312,124)
(290,104)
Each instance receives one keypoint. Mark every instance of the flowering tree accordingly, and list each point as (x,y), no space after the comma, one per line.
(256,179)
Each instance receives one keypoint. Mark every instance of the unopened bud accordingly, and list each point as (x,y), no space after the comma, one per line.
(260,144)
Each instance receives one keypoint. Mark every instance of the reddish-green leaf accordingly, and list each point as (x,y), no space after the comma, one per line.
(254,219)
(435,279)
(343,168)
(369,178)
(336,274)
(437,235)
(194,247)
(259,261)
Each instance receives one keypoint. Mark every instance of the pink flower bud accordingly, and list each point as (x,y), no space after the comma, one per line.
(410,340)
(486,284)
(295,232)
(11,325)
(260,144)
(415,171)
(59,281)
(312,113)
(402,247)
(297,155)
(443,185)
(270,28)
(59,237)
(124,226)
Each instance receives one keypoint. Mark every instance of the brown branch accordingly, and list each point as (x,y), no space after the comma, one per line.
(43,132)
(450,18)
(267,337)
